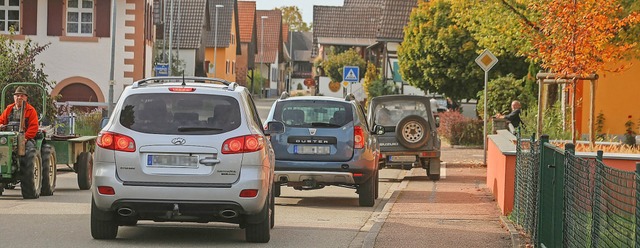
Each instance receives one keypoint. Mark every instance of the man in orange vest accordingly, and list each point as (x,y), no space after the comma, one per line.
(12,114)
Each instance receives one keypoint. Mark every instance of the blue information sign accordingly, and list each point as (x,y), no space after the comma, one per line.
(351,74)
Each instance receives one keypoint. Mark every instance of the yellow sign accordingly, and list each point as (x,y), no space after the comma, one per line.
(486,60)
(345,84)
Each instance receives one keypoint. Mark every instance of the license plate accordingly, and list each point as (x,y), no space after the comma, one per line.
(172,160)
(311,149)
(402,158)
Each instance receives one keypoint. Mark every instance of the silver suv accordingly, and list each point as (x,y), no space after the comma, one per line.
(184,150)
(326,143)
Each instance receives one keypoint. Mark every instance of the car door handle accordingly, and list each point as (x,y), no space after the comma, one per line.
(209,161)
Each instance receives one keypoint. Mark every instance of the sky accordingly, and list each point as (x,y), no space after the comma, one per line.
(305,6)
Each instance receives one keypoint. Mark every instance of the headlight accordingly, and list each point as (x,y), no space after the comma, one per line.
(3,140)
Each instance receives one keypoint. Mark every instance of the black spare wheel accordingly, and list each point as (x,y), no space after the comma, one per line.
(412,132)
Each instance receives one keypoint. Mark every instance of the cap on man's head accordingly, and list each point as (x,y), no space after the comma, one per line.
(20,90)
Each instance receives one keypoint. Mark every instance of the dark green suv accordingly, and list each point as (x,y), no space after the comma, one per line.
(409,134)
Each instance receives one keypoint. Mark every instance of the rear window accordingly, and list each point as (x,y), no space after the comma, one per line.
(161,113)
(389,113)
(313,113)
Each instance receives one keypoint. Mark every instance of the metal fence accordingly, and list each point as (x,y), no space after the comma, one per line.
(562,200)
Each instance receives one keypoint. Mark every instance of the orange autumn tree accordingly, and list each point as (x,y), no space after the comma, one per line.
(577,37)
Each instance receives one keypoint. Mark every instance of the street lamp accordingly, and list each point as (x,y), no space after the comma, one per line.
(215,41)
(262,51)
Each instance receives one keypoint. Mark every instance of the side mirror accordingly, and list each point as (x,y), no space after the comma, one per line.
(104,122)
(378,129)
(274,127)
(437,118)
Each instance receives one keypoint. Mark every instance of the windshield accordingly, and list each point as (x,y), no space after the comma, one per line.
(180,113)
(313,113)
(390,113)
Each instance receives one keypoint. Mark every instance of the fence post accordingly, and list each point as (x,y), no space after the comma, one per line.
(544,229)
(595,210)
(637,205)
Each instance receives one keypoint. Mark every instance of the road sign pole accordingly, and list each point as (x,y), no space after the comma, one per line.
(486,60)
(484,140)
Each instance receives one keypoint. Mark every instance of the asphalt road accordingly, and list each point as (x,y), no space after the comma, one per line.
(328,217)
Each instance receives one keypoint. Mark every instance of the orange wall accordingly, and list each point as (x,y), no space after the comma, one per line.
(616,97)
(224,54)
(501,174)
(620,164)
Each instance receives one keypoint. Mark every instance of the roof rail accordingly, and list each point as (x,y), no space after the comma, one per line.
(350,97)
(284,95)
(159,80)
(232,86)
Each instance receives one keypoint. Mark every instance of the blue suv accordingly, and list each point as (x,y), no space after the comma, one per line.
(326,142)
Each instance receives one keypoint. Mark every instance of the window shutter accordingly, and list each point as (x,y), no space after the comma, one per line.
(54,17)
(30,17)
(103,18)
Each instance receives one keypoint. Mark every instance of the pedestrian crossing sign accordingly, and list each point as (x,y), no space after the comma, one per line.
(351,74)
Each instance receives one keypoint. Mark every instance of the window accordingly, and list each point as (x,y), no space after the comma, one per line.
(9,16)
(80,18)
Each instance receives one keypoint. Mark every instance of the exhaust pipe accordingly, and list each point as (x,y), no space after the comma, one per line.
(125,212)
(228,214)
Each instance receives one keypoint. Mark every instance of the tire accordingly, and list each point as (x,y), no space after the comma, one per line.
(377,185)
(272,205)
(102,229)
(366,192)
(260,232)
(48,170)
(434,177)
(412,132)
(85,170)
(277,189)
(31,181)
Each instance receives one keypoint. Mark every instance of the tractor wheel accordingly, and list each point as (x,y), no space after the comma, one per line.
(31,180)
(48,170)
(85,168)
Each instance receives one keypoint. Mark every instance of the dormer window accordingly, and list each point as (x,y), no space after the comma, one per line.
(9,16)
(79,18)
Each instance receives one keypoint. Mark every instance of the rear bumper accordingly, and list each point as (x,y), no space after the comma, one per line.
(325,172)
(160,197)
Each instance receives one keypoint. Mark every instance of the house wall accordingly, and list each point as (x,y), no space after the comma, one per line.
(616,97)
(242,64)
(86,60)
(188,56)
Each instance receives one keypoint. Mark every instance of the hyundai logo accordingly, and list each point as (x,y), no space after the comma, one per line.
(178,141)
(312,131)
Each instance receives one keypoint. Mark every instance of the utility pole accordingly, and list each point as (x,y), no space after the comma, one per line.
(170,39)
(291,59)
(215,42)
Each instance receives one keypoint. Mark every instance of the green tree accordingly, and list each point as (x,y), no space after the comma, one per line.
(501,91)
(438,54)
(258,81)
(17,64)
(293,16)
(335,63)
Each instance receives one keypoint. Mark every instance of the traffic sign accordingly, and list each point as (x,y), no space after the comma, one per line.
(351,74)
(486,60)
(162,69)
(345,84)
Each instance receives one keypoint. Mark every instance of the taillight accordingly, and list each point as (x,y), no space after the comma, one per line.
(116,141)
(243,144)
(181,89)
(358,137)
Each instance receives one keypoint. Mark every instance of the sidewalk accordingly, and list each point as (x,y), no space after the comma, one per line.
(457,211)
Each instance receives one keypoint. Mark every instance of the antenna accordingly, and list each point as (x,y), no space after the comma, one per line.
(183,83)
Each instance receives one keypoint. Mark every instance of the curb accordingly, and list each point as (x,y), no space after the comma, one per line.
(516,241)
(372,234)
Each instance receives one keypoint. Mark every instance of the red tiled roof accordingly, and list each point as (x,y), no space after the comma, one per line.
(247,17)
(272,35)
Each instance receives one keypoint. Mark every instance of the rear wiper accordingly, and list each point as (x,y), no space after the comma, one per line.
(324,124)
(197,128)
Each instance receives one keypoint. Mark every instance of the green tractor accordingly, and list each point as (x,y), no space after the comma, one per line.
(33,167)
